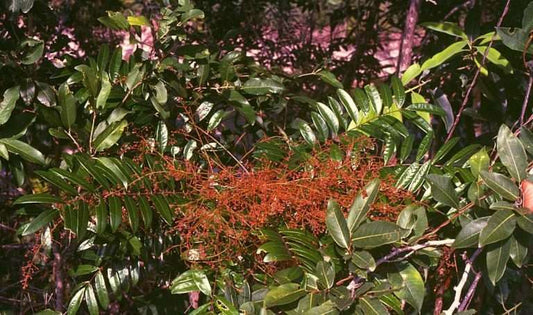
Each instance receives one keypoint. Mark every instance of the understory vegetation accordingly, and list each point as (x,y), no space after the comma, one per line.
(178,171)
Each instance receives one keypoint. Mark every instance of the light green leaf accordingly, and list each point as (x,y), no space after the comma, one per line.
(215,120)
(114,20)
(441,57)
(7,105)
(499,227)
(375,99)
(307,132)
(138,20)
(349,104)
(336,225)
(256,86)
(479,162)
(412,72)
(188,151)
(446,28)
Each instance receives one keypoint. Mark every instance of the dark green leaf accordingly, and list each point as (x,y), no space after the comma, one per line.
(162,206)
(501,185)
(512,153)
(361,204)
(42,198)
(442,190)
(75,302)
(375,234)
(499,227)
(40,221)
(497,257)
(57,181)
(101,290)
(364,260)
(115,212)
(469,234)
(25,151)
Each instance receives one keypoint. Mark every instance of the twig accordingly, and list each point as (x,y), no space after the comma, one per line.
(225,149)
(459,287)
(474,80)
(526,100)
(413,248)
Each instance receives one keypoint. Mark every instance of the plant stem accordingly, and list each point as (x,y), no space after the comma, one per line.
(459,287)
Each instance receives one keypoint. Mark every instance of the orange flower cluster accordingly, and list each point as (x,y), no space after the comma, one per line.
(226,207)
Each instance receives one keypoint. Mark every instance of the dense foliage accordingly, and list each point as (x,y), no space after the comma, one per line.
(178,173)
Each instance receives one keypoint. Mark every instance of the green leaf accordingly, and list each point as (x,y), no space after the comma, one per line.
(75,302)
(110,135)
(101,290)
(502,205)
(375,234)
(20,5)
(256,86)
(73,178)
(162,206)
(398,91)
(115,63)
(192,14)
(25,151)
(361,204)
(203,110)
(40,221)
(105,90)
(161,135)
(146,211)
(418,178)
(512,153)
(33,53)
(501,184)
(114,20)
(326,274)
(42,198)
(515,38)
(427,108)
(7,105)
(479,162)
(526,136)
(307,132)
(90,299)
(215,120)
(372,306)
(518,250)
(375,99)
(412,72)
(330,79)
(349,104)
(525,222)
(329,116)
(446,28)
(497,257)
(441,57)
(191,280)
(495,57)
(101,217)
(57,181)
(115,212)
(406,148)
(364,260)
(320,125)
(469,234)
(412,290)
(336,225)
(188,151)
(138,20)
(442,190)
(445,149)
(133,213)
(283,294)
(499,227)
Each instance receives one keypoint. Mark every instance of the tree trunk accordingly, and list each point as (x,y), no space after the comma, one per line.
(406,47)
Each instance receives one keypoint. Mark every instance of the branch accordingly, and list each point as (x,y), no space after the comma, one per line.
(459,287)
(474,80)
(470,293)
